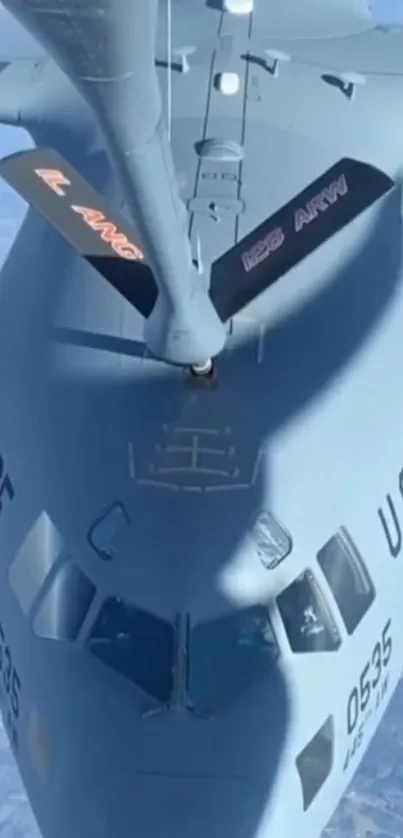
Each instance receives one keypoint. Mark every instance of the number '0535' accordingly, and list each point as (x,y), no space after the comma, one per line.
(370,677)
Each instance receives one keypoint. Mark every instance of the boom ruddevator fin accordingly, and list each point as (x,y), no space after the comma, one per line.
(297,229)
(105,239)
(100,234)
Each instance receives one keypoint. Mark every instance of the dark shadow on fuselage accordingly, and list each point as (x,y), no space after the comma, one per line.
(217,5)
(183,539)
(34,283)
(105,343)
(189,538)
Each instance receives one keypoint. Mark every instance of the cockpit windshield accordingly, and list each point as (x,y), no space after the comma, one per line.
(228,654)
(136,644)
(204,664)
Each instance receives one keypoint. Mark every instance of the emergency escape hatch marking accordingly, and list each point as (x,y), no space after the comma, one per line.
(193,456)
(194,459)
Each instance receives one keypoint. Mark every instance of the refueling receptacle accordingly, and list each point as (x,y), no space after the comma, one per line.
(201,376)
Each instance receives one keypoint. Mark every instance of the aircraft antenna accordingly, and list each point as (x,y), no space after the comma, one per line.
(169,68)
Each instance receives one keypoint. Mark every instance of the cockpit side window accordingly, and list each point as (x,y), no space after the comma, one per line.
(348,578)
(65,605)
(307,619)
(137,644)
(106,532)
(228,654)
(35,560)
(315,762)
(273,543)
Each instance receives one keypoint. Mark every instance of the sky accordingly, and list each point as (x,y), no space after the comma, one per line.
(388,11)
(373,806)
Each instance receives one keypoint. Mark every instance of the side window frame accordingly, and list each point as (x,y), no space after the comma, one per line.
(103,553)
(341,587)
(35,561)
(65,605)
(320,751)
(319,622)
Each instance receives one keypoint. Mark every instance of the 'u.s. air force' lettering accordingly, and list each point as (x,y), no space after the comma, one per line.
(10,689)
(7,492)
(303,215)
(297,229)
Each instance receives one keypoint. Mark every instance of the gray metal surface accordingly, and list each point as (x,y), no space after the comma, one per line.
(143,695)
